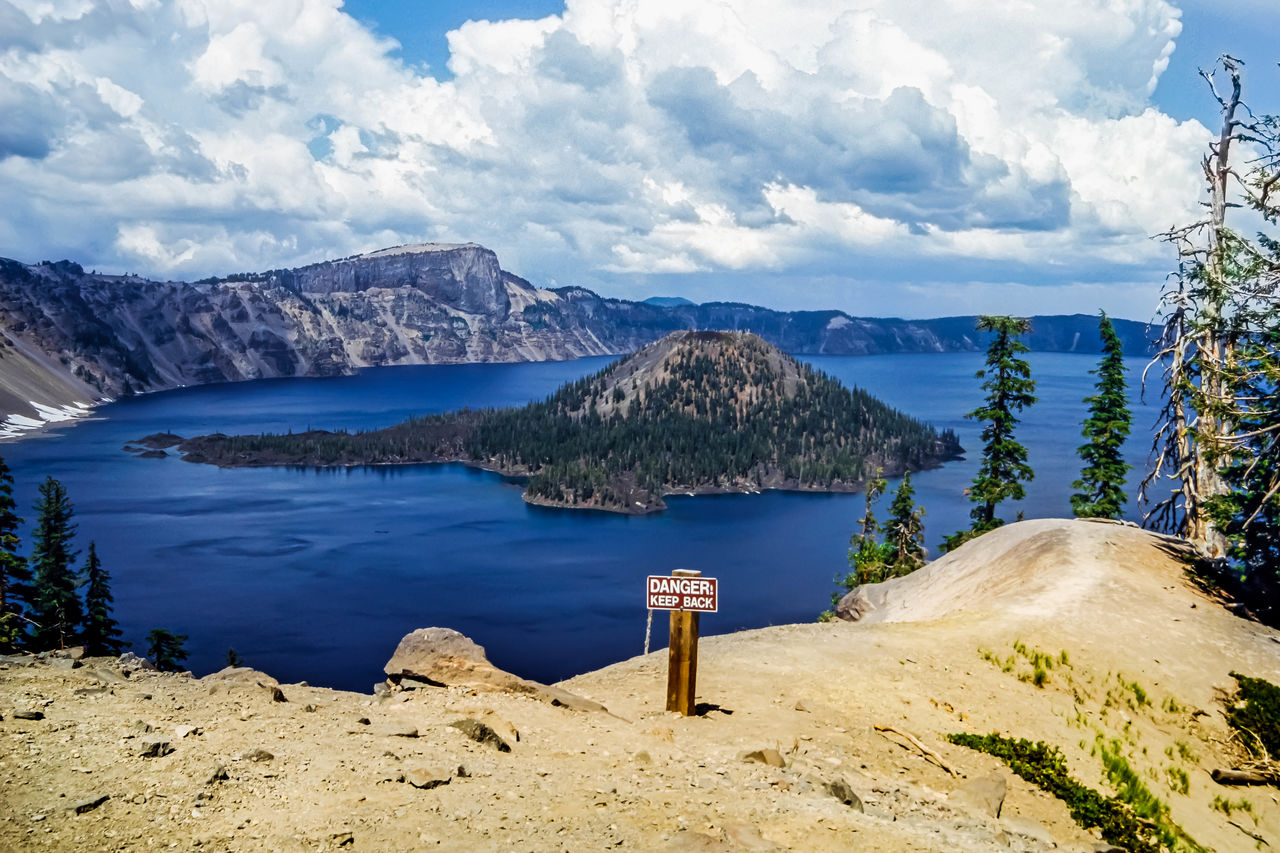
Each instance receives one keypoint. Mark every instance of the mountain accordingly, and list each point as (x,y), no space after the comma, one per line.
(668,301)
(69,338)
(698,412)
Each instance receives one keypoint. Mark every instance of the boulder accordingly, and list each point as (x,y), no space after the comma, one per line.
(89,804)
(154,747)
(854,605)
(240,675)
(984,795)
(129,662)
(427,777)
(442,657)
(768,755)
(481,733)
(843,791)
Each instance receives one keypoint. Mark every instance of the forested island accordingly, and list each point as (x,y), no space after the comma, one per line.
(695,412)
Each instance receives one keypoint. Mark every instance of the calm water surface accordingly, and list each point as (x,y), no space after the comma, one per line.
(315,575)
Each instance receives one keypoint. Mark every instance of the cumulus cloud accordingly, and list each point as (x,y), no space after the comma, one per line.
(613,145)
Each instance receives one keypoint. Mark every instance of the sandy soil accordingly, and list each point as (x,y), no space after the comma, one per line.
(940,653)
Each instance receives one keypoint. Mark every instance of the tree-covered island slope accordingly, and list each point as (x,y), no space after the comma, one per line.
(700,412)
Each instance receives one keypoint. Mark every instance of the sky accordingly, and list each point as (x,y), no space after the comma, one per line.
(910,158)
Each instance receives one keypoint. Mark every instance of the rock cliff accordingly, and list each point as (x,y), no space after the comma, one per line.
(73,337)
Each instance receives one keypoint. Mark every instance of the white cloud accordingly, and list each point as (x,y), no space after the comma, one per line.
(912,140)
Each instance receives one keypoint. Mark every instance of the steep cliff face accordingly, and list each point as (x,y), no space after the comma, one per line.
(84,336)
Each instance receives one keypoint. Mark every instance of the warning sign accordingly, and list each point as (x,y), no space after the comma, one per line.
(676,593)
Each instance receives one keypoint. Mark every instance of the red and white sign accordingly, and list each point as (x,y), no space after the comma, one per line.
(676,593)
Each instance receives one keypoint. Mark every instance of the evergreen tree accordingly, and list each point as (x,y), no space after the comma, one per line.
(900,552)
(166,649)
(1249,513)
(15,574)
(1101,483)
(904,531)
(55,601)
(101,632)
(1009,388)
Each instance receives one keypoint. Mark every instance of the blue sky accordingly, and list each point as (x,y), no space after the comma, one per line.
(885,157)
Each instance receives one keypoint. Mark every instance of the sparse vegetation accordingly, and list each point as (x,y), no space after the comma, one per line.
(1044,766)
(1254,714)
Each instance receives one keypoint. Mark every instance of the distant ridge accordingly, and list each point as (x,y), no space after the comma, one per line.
(668,301)
(69,338)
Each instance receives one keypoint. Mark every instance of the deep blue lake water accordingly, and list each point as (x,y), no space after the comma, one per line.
(315,575)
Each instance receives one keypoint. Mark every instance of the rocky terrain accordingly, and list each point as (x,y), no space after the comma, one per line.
(818,737)
(695,412)
(71,336)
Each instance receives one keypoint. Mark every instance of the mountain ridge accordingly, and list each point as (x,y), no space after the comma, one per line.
(71,338)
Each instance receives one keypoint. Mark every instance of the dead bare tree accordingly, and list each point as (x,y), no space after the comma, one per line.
(1223,296)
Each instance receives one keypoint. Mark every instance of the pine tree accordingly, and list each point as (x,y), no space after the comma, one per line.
(1249,513)
(904,530)
(101,632)
(54,601)
(1101,483)
(15,574)
(1009,388)
(166,649)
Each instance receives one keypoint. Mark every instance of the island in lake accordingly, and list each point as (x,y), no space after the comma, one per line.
(695,412)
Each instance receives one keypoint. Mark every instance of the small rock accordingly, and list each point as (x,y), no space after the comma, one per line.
(310,709)
(141,727)
(75,652)
(130,663)
(746,838)
(481,734)
(18,660)
(257,754)
(64,663)
(28,714)
(1027,828)
(342,839)
(1106,847)
(800,706)
(364,721)
(274,691)
(89,804)
(984,796)
(105,675)
(427,777)
(402,731)
(187,731)
(642,757)
(842,791)
(768,756)
(154,747)
(219,774)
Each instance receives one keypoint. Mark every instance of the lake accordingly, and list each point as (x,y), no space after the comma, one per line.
(316,575)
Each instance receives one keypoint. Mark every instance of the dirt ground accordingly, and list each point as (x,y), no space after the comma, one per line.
(148,760)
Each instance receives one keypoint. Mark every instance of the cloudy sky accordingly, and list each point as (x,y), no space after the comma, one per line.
(886,157)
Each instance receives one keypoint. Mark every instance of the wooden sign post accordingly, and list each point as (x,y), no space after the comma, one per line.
(686,594)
